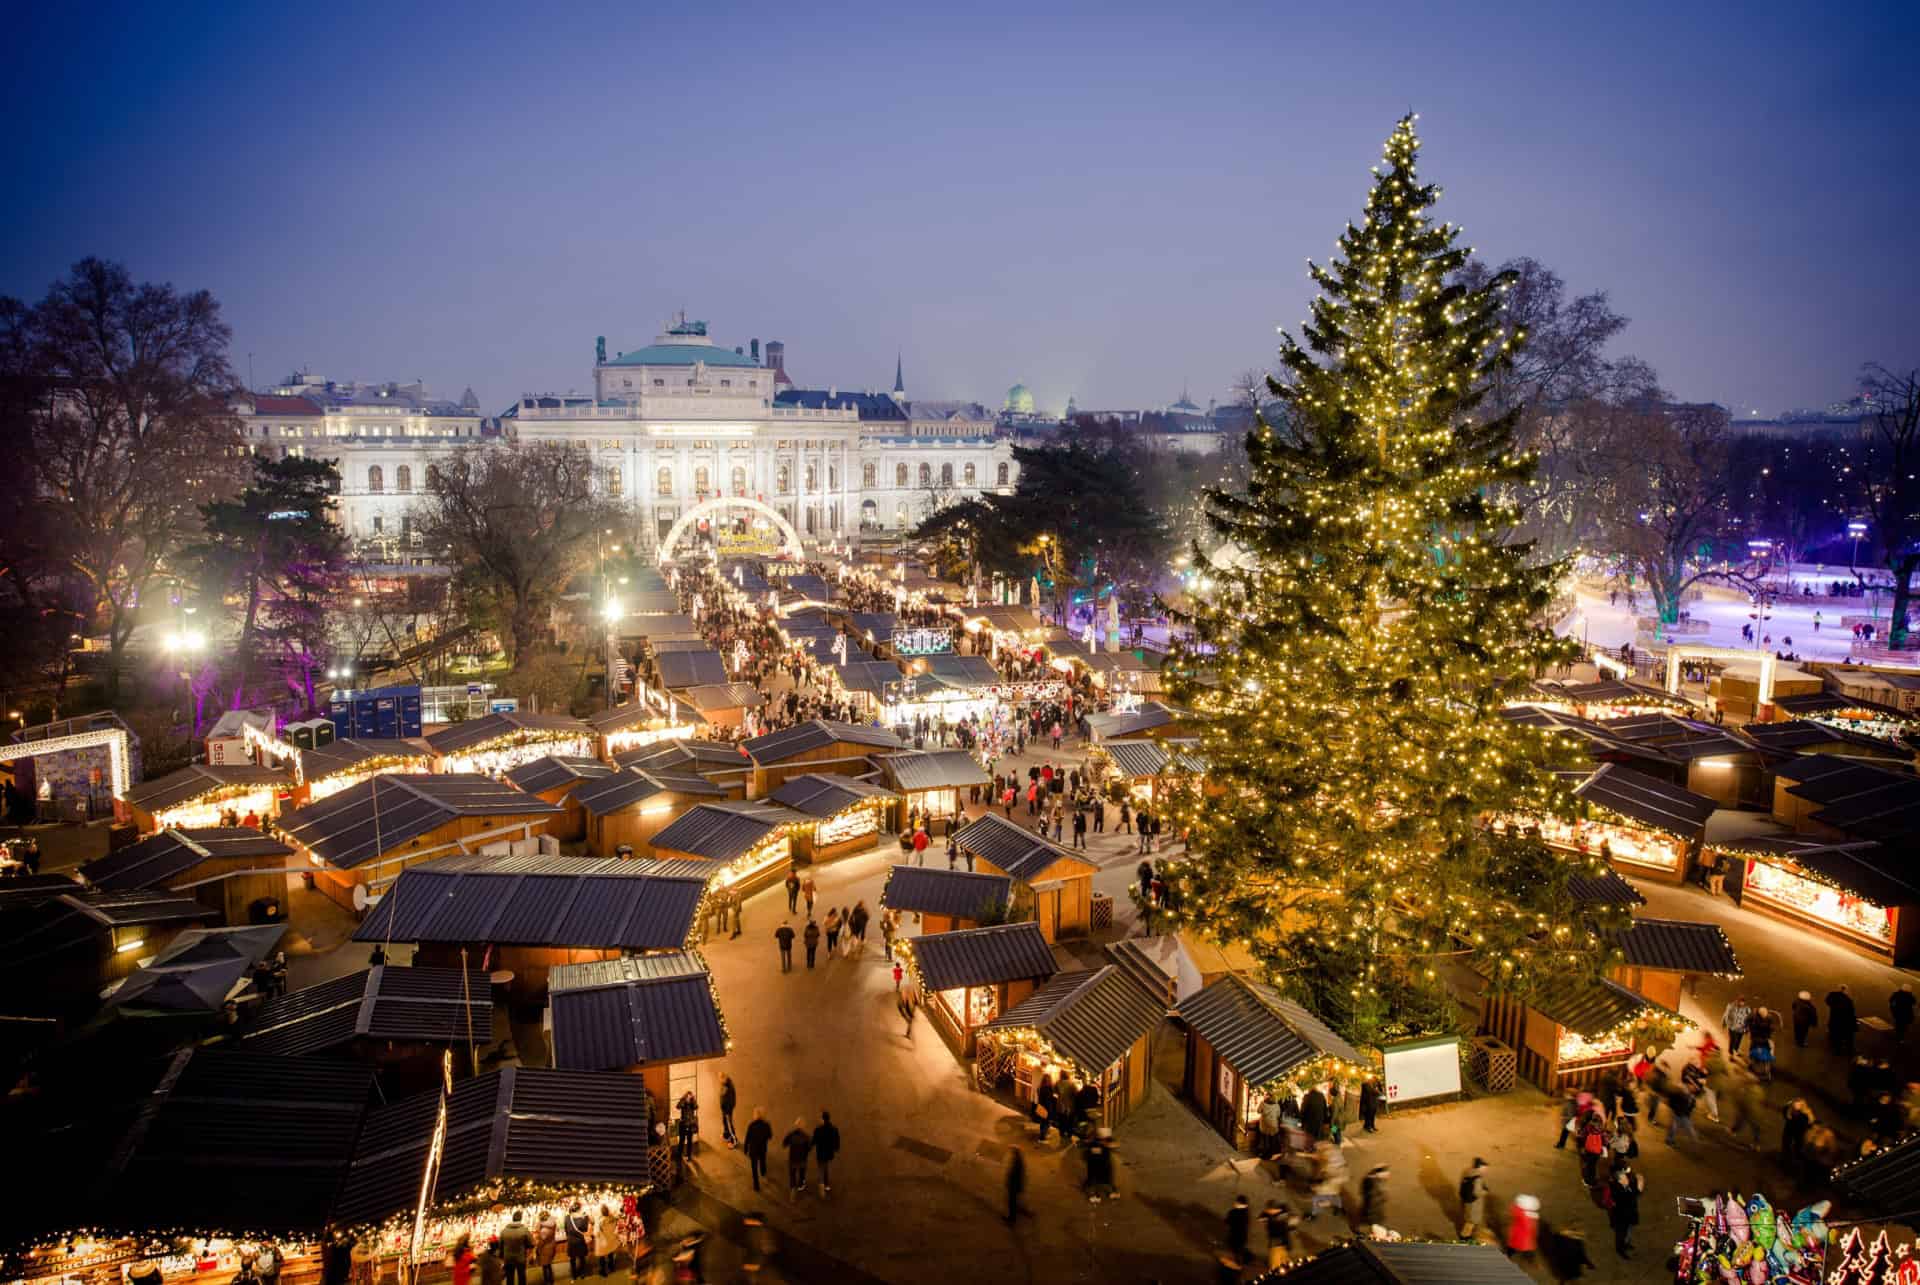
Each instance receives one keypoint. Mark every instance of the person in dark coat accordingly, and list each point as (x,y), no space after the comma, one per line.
(1900,1005)
(1313,1113)
(793,891)
(812,936)
(1099,1165)
(1047,1106)
(1239,1228)
(797,1142)
(784,935)
(1842,1021)
(516,1241)
(759,1138)
(728,1100)
(826,1145)
(579,1229)
(1373,1196)
(1369,1103)
(1805,1018)
(1016,1183)
(1566,1254)
(1623,1206)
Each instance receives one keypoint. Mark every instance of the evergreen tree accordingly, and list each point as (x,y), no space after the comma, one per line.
(1361,647)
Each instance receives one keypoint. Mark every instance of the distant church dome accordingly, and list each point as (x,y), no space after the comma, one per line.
(1020,399)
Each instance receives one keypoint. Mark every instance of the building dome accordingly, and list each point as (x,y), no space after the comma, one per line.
(1020,400)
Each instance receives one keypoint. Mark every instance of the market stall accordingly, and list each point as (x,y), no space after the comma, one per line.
(59,953)
(971,976)
(1096,1027)
(1646,827)
(345,763)
(498,743)
(945,900)
(724,764)
(1846,799)
(1663,959)
(849,815)
(1139,768)
(1569,1032)
(637,725)
(555,779)
(389,1016)
(654,1016)
(1149,719)
(930,782)
(1861,895)
(200,795)
(1607,698)
(749,845)
(726,706)
(627,808)
(234,870)
(817,745)
(1246,1042)
(1055,883)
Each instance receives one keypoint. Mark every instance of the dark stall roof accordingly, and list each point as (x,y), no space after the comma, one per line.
(1092,1017)
(1679,946)
(535,1125)
(688,755)
(599,905)
(712,697)
(1020,853)
(1608,691)
(1136,758)
(860,674)
(1259,1032)
(876,625)
(169,854)
(350,752)
(657,627)
(386,1002)
(627,787)
(823,796)
(381,814)
(933,769)
(1009,619)
(622,717)
(983,956)
(691,668)
(723,831)
(1587,1007)
(1406,1262)
(961,671)
(959,894)
(1148,716)
(1647,800)
(1606,888)
(190,783)
(1885,1184)
(1830,701)
(533,727)
(240,1140)
(196,972)
(1801,733)
(34,928)
(556,770)
(814,734)
(616,1017)
(1866,800)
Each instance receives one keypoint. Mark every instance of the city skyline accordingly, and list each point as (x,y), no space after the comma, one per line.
(463,204)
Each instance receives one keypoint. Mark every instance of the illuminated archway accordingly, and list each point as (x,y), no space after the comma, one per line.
(1676,652)
(789,538)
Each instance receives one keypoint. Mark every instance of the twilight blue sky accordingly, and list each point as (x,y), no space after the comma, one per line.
(1103,200)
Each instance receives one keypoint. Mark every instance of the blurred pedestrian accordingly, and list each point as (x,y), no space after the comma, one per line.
(1016,1184)
(1473,1198)
(798,1143)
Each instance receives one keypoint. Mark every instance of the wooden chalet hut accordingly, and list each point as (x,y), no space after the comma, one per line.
(1245,1042)
(655,1016)
(625,809)
(554,779)
(235,871)
(359,840)
(397,1018)
(59,954)
(971,976)
(338,765)
(637,726)
(946,900)
(1862,895)
(848,814)
(818,745)
(1847,800)
(197,795)
(1646,827)
(726,765)
(723,705)
(1663,959)
(498,743)
(1097,1026)
(1707,760)
(1150,719)
(1055,882)
(677,671)
(747,845)
(930,781)
(1567,1033)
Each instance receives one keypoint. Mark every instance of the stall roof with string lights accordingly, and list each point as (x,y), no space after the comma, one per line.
(1863,894)
(480,733)
(564,902)
(1662,957)
(555,772)
(1264,1039)
(1099,1022)
(1568,1032)
(619,1014)
(388,1003)
(1402,1262)
(205,786)
(375,817)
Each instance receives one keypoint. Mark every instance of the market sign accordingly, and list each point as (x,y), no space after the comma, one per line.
(1417,1069)
(922,642)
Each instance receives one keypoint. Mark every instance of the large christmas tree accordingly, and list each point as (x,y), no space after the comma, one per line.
(1374,615)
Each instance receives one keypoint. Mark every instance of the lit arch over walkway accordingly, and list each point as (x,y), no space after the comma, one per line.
(789,538)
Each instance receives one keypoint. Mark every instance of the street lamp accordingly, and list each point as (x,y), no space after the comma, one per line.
(184,644)
(1855,530)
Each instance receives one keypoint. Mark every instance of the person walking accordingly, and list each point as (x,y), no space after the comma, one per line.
(1473,1198)
(1805,1018)
(1900,1006)
(579,1229)
(826,1145)
(1279,1221)
(808,891)
(1523,1227)
(906,1007)
(1735,1019)
(737,904)
(1373,1196)
(1369,1103)
(1016,1184)
(1680,1104)
(833,935)
(1842,1020)
(606,1241)
(1239,1229)
(546,1243)
(920,842)
(857,924)
(1046,1105)
(1099,815)
(1623,1207)
(812,938)
(688,1111)
(784,935)
(1079,828)
(886,935)
(728,1100)
(1126,817)
(793,890)
(759,1138)
(516,1241)
(1099,1165)
(797,1142)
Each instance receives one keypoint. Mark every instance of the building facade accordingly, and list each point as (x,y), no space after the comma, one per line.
(670,425)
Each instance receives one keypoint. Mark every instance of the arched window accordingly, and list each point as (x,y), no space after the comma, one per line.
(812,517)
(833,477)
(967,475)
(899,475)
(926,475)
(869,515)
(1003,475)
(813,479)
(375,483)
(946,475)
(783,479)
(433,478)
(663,481)
(403,480)
(869,477)
(613,481)
(702,481)
(739,481)
(900,515)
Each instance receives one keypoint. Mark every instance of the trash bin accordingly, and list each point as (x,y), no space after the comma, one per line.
(266,910)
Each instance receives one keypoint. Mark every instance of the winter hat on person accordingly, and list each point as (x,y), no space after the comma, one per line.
(1529,1203)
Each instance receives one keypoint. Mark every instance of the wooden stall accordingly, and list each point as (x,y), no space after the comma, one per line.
(1153,720)
(348,761)
(197,796)
(723,705)
(627,808)
(1862,895)
(555,779)
(654,1016)
(235,871)
(1568,1033)
(726,765)
(1095,1026)
(1180,964)
(848,815)
(971,976)
(1846,800)
(1663,959)
(1705,759)
(58,954)
(1246,1042)
(748,843)
(498,743)
(359,840)
(930,781)
(390,1016)
(839,749)
(1055,883)
(946,900)
(1644,826)
(638,726)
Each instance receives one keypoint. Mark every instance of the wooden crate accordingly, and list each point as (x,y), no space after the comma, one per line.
(1492,1064)
(1102,911)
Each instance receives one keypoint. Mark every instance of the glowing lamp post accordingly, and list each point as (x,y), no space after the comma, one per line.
(1856,531)
(183,645)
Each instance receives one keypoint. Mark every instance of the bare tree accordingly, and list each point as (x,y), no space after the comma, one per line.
(120,411)
(1889,486)
(517,520)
